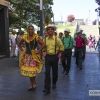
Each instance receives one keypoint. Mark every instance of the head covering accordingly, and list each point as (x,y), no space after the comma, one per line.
(84,34)
(79,32)
(51,26)
(67,30)
(80,29)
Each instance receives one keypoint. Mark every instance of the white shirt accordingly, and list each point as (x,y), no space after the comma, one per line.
(12,38)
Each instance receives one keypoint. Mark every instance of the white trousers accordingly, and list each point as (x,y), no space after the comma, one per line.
(13,47)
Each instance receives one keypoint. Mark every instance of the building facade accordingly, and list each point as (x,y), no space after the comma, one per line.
(4,29)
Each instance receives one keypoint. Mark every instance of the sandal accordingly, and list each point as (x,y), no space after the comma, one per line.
(30,89)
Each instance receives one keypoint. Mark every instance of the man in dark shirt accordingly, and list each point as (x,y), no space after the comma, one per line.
(79,49)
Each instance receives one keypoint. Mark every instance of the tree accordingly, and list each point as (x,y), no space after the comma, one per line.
(97,1)
(47,20)
(24,12)
(70,18)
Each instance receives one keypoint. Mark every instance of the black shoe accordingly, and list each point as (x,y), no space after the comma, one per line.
(73,56)
(34,88)
(30,89)
(80,67)
(63,71)
(46,91)
(66,73)
(53,86)
(77,66)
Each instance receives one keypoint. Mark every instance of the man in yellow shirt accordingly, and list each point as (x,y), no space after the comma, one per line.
(53,47)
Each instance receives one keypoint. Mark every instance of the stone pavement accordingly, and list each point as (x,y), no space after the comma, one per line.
(74,86)
(92,50)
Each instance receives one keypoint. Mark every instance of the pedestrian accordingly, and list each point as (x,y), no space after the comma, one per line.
(93,41)
(98,45)
(69,44)
(83,35)
(30,62)
(53,47)
(74,48)
(55,33)
(90,44)
(60,35)
(84,47)
(38,33)
(59,55)
(79,49)
(13,43)
(44,52)
(21,34)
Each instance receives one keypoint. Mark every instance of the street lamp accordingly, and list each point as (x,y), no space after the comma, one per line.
(61,19)
(41,17)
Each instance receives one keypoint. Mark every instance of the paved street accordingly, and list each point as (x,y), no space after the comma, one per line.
(74,86)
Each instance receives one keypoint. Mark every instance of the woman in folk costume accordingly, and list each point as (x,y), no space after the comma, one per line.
(90,44)
(30,62)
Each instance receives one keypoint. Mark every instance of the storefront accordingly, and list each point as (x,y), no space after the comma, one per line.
(4,29)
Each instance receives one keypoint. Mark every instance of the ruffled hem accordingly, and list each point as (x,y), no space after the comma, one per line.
(30,71)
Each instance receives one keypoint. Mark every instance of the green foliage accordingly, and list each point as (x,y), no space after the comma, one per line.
(25,12)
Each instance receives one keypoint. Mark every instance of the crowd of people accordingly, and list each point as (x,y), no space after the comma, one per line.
(36,51)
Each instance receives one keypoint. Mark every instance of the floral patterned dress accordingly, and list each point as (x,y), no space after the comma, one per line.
(30,63)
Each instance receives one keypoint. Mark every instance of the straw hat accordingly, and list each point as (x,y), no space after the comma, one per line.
(67,30)
(51,26)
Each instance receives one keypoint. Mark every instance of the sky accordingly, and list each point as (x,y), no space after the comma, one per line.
(79,8)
